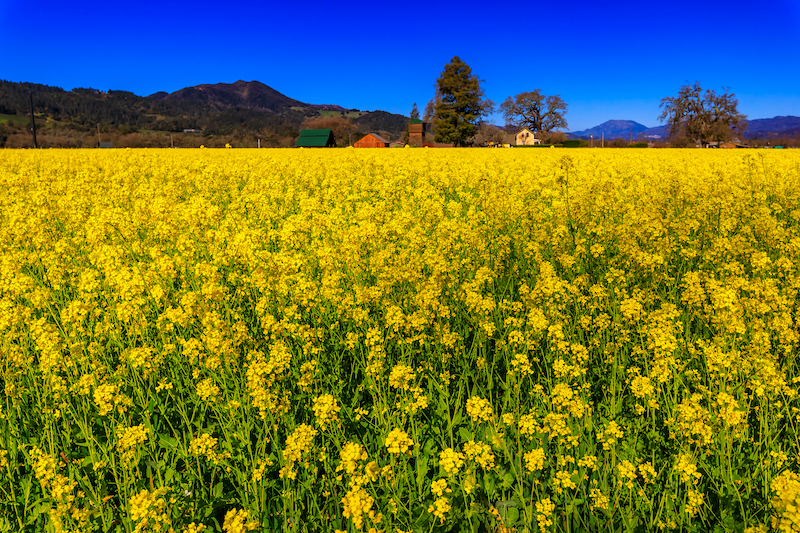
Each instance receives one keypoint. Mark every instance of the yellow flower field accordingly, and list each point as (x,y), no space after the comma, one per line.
(399,340)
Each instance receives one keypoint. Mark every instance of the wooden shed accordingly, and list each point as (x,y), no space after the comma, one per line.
(372,140)
(316,139)
(416,132)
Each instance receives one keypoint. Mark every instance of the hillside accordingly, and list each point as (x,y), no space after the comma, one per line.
(240,112)
(772,128)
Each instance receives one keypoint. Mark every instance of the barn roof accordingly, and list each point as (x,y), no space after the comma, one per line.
(322,137)
(380,139)
(415,121)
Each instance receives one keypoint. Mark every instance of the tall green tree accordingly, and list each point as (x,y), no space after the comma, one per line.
(702,117)
(459,104)
(535,111)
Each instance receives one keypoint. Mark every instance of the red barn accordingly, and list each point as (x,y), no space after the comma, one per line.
(372,140)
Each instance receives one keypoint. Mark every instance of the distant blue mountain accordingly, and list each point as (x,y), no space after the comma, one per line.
(762,128)
(611,129)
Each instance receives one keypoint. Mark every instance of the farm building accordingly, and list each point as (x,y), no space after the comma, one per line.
(372,140)
(526,137)
(416,132)
(316,138)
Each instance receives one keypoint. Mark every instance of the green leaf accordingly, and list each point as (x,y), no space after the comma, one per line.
(168,442)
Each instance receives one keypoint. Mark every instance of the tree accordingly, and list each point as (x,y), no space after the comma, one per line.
(414,112)
(702,117)
(459,104)
(488,133)
(341,127)
(535,111)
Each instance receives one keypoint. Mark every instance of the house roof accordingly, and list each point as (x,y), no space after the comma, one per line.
(415,121)
(322,137)
(526,129)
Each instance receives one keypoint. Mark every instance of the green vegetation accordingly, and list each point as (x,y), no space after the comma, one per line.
(15,119)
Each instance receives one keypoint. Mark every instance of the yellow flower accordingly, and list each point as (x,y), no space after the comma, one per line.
(481,453)
(351,453)
(479,409)
(398,442)
(326,410)
(439,487)
(149,510)
(451,460)
(207,390)
(544,510)
(236,522)
(400,376)
(357,503)
(439,508)
(534,459)
(128,439)
(599,500)
(627,473)
(786,502)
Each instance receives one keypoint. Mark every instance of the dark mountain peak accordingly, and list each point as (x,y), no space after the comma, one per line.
(243,94)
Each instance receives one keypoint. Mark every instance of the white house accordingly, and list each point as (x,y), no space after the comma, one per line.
(527,137)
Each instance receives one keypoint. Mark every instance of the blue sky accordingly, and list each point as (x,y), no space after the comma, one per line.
(607,59)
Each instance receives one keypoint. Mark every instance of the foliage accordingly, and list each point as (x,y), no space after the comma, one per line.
(575,143)
(535,111)
(702,117)
(414,112)
(459,103)
(415,340)
(342,128)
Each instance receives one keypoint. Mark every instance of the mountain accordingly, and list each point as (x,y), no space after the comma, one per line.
(772,128)
(761,128)
(243,111)
(244,94)
(612,129)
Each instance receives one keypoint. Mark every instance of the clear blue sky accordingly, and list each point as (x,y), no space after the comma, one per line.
(607,59)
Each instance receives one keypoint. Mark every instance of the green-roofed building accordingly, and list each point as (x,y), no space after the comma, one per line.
(316,139)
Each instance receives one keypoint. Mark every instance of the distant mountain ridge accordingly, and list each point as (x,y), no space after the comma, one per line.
(770,128)
(762,128)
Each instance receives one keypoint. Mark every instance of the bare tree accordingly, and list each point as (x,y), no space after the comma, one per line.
(487,133)
(535,111)
(341,127)
(702,117)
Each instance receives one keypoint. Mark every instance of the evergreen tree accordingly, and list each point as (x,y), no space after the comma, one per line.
(460,105)
(414,112)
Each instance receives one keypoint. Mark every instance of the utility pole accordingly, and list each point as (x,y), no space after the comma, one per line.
(603,141)
(172,144)
(98,135)
(591,139)
(33,123)
(631,135)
